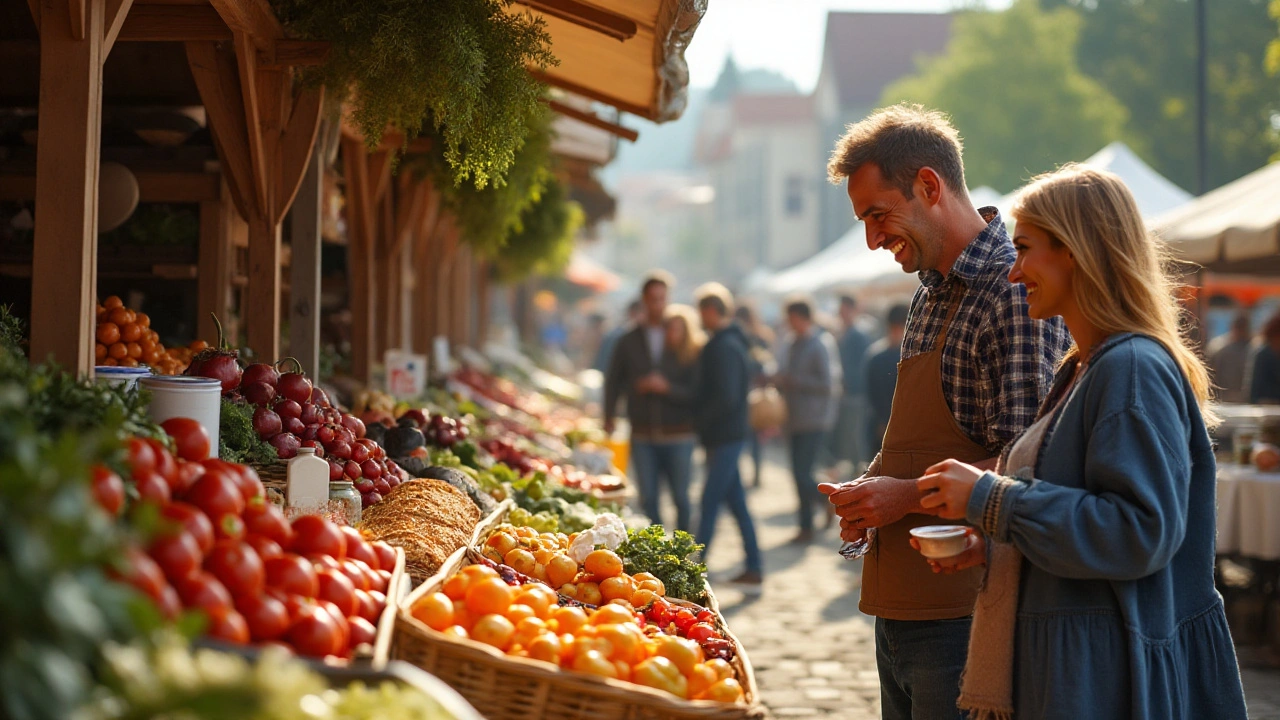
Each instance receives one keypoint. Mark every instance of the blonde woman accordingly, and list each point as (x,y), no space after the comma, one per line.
(1098,528)
(684,333)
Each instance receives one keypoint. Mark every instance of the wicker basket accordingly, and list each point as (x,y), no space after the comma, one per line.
(397,591)
(513,688)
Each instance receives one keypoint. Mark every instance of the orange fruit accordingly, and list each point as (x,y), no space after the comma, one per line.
(134,350)
(118,351)
(131,332)
(489,596)
(722,668)
(593,663)
(544,647)
(569,619)
(684,653)
(726,691)
(561,570)
(700,679)
(618,586)
(143,320)
(611,615)
(660,674)
(516,612)
(589,593)
(99,351)
(627,641)
(502,542)
(521,560)
(457,631)
(129,362)
(494,630)
(108,333)
(641,598)
(110,362)
(603,564)
(456,587)
(528,628)
(120,316)
(111,302)
(435,611)
(198,345)
(477,572)
(461,616)
(539,597)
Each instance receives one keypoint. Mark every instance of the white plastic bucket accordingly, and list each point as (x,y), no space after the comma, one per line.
(116,375)
(192,397)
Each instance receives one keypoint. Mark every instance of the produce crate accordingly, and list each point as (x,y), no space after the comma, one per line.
(397,591)
(512,688)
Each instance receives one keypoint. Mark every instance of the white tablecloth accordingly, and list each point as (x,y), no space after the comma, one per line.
(1248,512)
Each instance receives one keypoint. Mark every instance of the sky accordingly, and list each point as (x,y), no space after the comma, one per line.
(782,35)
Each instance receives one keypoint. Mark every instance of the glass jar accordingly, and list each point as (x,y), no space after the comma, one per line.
(1242,443)
(344,503)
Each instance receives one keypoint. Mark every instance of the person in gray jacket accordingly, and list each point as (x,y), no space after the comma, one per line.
(810,382)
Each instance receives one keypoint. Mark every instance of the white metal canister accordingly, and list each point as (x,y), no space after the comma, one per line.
(116,375)
(192,397)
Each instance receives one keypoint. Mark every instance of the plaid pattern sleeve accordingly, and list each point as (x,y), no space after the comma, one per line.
(997,363)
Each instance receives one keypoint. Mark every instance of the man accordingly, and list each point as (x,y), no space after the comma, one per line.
(974,370)
(635,315)
(882,374)
(809,380)
(662,436)
(1229,358)
(720,402)
(1264,371)
(846,440)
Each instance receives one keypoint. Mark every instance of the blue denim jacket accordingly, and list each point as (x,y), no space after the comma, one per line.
(1118,616)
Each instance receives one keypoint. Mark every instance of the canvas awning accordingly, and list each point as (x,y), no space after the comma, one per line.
(624,53)
(845,263)
(1234,229)
(588,273)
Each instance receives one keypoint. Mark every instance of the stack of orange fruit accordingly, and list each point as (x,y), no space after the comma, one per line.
(611,641)
(125,338)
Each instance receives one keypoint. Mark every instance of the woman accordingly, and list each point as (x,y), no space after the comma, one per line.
(759,341)
(1099,600)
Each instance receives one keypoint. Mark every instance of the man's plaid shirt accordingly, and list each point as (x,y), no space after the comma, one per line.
(997,363)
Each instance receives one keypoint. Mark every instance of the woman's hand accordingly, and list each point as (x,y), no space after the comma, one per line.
(973,555)
(945,488)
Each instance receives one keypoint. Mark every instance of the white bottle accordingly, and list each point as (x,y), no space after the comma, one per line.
(307,483)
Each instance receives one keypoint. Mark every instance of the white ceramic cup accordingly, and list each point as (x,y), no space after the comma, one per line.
(191,397)
(940,541)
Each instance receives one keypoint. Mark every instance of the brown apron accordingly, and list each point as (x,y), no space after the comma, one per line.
(897,582)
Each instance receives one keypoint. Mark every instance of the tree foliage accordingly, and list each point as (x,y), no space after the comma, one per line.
(544,241)
(1011,84)
(459,65)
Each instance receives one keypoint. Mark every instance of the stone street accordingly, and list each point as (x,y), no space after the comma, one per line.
(813,652)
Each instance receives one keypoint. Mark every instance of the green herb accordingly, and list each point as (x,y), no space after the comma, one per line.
(60,402)
(544,241)
(649,550)
(237,440)
(12,332)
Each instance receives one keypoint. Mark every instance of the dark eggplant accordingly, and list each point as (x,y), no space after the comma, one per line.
(401,441)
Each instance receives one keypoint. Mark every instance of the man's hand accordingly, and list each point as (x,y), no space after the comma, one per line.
(658,385)
(973,555)
(872,501)
(947,487)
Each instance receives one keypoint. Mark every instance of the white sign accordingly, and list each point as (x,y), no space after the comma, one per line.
(406,374)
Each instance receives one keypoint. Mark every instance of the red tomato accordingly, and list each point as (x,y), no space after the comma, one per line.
(169,603)
(265,547)
(369,608)
(381,581)
(245,477)
(362,632)
(108,490)
(189,519)
(315,633)
(263,518)
(324,561)
(237,566)
(165,464)
(355,572)
(315,535)
(359,549)
(386,555)
(228,625)
(344,628)
(701,632)
(188,473)
(143,573)
(203,591)
(189,438)
(216,494)
(178,555)
(229,527)
(141,457)
(338,589)
(706,616)
(684,619)
(152,487)
(293,575)
(268,618)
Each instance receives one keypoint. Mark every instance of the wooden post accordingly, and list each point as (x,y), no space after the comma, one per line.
(304,272)
(484,291)
(384,277)
(218,219)
(64,277)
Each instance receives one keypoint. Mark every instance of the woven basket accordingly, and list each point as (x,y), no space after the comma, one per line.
(513,688)
(397,591)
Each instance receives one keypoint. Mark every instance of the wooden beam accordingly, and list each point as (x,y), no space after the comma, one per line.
(218,221)
(78,20)
(619,27)
(117,11)
(384,272)
(166,187)
(259,157)
(252,18)
(359,256)
(214,68)
(293,53)
(590,94)
(304,268)
(296,146)
(593,120)
(65,260)
(34,7)
(262,295)
(173,23)
(379,173)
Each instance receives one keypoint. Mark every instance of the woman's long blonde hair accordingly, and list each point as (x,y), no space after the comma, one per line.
(1123,281)
(694,337)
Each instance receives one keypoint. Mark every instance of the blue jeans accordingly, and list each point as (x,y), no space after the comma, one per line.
(805,447)
(920,663)
(669,462)
(724,484)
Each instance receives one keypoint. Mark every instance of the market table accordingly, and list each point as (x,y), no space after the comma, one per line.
(1248,512)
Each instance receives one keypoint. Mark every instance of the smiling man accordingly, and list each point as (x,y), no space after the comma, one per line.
(974,370)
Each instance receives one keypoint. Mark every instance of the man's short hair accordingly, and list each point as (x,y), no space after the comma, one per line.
(900,140)
(802,307)
(848,300)
(716,296)
(898,314)
(657,277)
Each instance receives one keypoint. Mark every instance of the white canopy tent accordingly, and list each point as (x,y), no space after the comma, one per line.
(846,262)
(1234,229)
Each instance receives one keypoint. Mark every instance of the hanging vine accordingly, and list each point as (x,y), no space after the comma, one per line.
(544,243)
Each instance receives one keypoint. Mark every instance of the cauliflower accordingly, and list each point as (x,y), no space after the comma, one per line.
(609,531)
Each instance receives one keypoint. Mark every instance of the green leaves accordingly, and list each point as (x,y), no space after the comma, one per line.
(545,240)
(649,550)
(237,440)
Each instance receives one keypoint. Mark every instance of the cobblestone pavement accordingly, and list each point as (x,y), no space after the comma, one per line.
(813,652)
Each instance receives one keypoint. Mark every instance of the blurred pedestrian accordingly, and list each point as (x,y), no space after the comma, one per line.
(662,436)
(720,403)
(591,338)
(848,434)
(809,379)
(881,375)
(760,339)
(1229,358)
(975,367)
(1264,373)
(635,316)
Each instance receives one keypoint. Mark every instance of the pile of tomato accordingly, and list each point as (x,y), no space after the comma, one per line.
(221,550)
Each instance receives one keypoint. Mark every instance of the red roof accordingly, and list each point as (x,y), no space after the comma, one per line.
(869,51)
(788,109)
